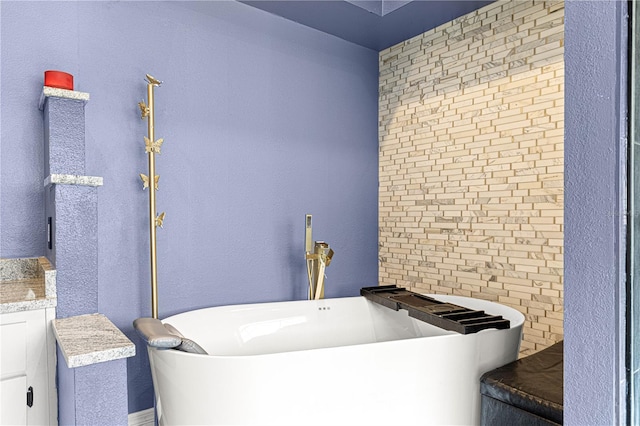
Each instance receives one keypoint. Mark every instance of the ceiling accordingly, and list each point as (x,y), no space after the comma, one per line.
(375,24)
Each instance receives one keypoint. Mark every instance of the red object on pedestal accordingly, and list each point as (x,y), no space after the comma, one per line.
(58,79)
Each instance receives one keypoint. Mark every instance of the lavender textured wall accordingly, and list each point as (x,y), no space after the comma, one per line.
(263,120)
(595,230)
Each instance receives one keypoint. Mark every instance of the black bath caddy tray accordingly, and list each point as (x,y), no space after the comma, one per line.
(441,314)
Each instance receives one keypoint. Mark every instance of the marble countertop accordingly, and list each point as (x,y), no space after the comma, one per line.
(30,283)
(26,284)
(90,339)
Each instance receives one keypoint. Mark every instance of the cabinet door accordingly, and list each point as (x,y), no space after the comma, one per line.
(24,359)
(13,397)
(13,347)
(13,373)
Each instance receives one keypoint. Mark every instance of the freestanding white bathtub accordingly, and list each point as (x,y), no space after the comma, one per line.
(344,361)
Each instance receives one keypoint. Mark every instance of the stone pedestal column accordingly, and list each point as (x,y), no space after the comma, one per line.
(95,393)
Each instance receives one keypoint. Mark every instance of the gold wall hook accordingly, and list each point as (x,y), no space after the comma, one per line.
(144,109)
(152,146)
(160,220)
(145,181)
(153,80)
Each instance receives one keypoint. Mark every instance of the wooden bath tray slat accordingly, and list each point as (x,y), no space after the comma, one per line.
(441,314)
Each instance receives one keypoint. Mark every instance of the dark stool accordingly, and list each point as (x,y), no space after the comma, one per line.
(525,392)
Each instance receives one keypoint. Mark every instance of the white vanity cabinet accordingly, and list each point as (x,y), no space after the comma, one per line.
(27,368)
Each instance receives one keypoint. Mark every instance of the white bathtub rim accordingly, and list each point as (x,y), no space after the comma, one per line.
(515,317)
(319,351)
(516,321)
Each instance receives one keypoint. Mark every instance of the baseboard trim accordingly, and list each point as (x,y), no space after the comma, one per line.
(143,418)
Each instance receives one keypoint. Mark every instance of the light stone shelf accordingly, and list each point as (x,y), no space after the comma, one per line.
(91,339)
(59,179)
(48,92)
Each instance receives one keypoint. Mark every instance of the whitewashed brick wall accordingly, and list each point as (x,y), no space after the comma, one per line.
(471,162)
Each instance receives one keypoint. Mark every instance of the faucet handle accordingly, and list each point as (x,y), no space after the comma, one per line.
(329,256)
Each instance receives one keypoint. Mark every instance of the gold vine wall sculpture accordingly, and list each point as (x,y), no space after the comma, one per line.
(152,147)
